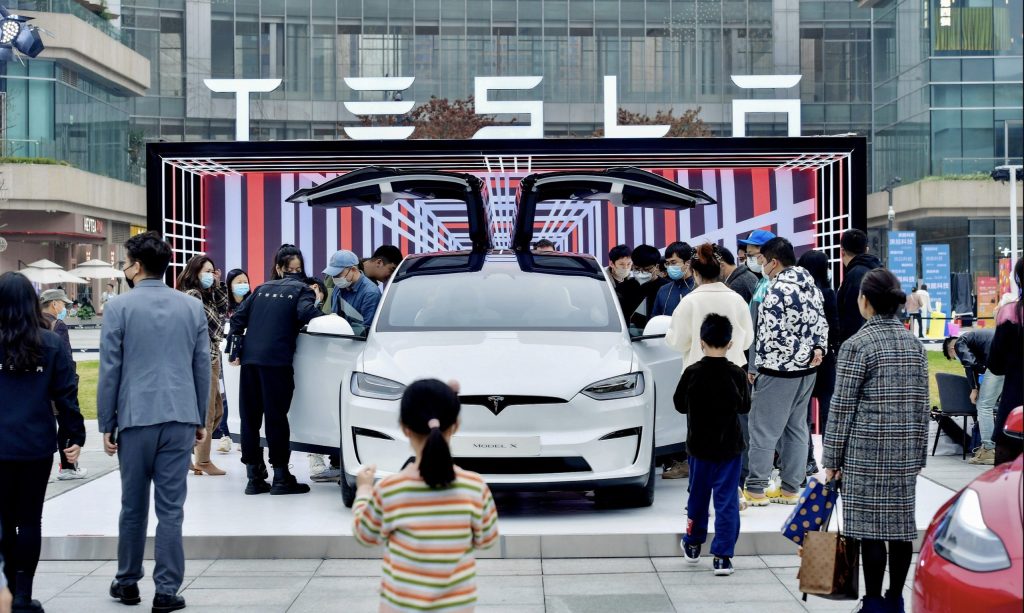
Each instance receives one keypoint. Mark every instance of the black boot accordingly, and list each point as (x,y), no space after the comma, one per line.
(257,479)
(164,603)
(23,602)
(285,483)
(126,594)
(894,602)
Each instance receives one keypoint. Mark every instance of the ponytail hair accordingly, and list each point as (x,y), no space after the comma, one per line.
(882,290)
(430,408)
(707,262)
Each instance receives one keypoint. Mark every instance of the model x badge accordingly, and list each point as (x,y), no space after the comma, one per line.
(496,403)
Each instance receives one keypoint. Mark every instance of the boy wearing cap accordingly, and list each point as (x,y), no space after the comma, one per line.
(355,296)
(54,304)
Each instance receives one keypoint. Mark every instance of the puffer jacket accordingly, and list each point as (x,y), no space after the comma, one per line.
(791,324)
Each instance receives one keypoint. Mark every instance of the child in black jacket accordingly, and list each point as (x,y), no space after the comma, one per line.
(713,393)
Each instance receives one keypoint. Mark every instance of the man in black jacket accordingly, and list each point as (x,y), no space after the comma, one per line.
(271,319)
(857,262)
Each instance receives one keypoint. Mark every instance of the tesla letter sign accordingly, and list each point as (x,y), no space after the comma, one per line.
(242,88)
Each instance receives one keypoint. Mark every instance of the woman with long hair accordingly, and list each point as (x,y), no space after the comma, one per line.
(37,380)
(1006,359)
(199,280)
(877,437)
(237,283)
(816,263)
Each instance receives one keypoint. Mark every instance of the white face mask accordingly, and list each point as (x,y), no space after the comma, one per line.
(621,274)
(642,276)
(753,265)
(342,282)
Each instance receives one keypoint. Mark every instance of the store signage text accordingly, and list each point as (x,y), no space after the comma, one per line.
(92,226)
(243,88)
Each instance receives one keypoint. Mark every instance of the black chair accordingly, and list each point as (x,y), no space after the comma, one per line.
(955,397)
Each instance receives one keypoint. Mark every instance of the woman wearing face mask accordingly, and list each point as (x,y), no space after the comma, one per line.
(264,331)
(200,279)
(237,283)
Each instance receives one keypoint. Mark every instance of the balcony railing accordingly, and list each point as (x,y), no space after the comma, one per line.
(69,7)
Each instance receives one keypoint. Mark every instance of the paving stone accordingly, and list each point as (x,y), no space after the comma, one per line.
(349,568)
(507,568)
(610,603)
(679,564)
(589,585)
(594,566)
(511,590)
(76,567)
(269,567)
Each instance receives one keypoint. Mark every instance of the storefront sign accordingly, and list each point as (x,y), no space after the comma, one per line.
(534,128)
(137,230)
(988,300)
(935,273)
(92,226)
(1004,276)
(903,258)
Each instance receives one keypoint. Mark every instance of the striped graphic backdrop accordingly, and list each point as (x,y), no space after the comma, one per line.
(247,217)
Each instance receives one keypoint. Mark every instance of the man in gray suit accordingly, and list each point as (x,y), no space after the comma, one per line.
(154,386)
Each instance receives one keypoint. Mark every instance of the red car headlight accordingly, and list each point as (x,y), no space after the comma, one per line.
(964,539)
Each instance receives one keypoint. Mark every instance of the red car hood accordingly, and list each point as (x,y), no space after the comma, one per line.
(1001,491)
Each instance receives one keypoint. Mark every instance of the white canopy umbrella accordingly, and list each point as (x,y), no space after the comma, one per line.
(97,269)
(46,272)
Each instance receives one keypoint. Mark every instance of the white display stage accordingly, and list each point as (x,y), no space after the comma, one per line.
(222,522)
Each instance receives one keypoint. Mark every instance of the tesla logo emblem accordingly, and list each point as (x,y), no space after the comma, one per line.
(496,402)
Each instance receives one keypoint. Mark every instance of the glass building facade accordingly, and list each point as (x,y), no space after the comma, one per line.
(948,87)
(675,54)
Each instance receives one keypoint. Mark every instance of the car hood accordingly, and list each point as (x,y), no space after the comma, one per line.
(554,364)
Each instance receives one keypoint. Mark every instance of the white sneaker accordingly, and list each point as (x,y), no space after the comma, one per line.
(316,464)
(71,474)
(224,446)
(327,475)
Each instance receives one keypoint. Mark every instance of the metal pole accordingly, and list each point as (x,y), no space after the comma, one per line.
(1012,171)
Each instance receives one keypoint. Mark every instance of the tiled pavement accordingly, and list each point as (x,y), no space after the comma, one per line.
(765,584)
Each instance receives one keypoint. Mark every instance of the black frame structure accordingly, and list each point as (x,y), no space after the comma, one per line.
(174,171)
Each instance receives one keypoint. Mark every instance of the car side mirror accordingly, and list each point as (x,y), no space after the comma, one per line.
(1014,426)
(658,326)
(330,325)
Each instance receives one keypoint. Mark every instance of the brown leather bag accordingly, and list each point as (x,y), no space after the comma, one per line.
(829,565)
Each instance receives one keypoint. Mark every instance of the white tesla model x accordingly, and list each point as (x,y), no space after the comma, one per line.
(558,393)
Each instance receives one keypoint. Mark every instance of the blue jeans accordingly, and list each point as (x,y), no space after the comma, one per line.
(988,399)
(719,480)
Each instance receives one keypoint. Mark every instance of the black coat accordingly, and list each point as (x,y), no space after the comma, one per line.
(712,393)
(1007,358)
(849,313)
(271,318)
(825,381)
(28,428)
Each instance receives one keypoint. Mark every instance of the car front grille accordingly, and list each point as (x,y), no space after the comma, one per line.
(524,466)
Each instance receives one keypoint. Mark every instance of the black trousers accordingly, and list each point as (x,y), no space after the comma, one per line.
(265,393)
(22,491)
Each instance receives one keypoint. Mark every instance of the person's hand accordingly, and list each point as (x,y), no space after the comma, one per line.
(833,473)
(5,600)
(216,276)
(364,478)
(108,446)
(974,396)
(750,378)
(454,385)
(236,362)
(72,453)
(819,355)
(319,294)
(200,434)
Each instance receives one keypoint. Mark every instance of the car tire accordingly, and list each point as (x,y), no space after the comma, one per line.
(635,496)
(348,490)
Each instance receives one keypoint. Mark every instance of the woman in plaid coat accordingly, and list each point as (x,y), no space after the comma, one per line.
(877,437)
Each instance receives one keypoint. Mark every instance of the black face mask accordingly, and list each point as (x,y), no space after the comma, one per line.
(129,281)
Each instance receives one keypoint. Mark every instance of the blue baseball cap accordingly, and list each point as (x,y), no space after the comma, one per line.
(339,262)
(757,238)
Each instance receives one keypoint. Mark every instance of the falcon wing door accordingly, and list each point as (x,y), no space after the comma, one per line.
(624,187)
(373,185)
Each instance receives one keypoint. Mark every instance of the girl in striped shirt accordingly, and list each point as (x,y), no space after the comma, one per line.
(431,516)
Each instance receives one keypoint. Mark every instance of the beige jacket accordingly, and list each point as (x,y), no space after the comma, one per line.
(684,332)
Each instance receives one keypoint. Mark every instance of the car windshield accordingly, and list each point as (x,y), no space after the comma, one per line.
(499,298)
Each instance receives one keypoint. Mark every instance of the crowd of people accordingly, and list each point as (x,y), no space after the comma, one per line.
(768,348)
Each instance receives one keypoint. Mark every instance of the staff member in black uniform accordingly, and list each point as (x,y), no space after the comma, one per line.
(270,320)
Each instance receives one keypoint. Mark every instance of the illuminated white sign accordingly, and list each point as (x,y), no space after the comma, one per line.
(945,13)
(242,88)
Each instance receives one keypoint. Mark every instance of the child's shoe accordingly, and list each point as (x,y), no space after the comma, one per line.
(723,567)
(692,552)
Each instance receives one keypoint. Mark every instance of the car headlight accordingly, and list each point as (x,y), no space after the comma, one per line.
(623,386)
(370,386)
(965,540)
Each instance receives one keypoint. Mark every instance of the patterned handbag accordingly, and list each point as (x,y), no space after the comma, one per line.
(813,511)
(829,562)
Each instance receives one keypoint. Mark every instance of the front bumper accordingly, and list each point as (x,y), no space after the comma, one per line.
(584,444)
(943,587)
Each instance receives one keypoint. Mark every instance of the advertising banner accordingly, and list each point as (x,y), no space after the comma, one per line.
(988,299)
(903,258)
(935,274)
(1004,276)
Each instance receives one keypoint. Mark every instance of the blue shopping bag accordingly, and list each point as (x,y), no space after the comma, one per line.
(813,511)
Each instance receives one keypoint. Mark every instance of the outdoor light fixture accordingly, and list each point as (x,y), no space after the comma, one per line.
(17,35)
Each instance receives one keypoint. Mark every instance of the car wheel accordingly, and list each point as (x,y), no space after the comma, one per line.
(635,496)
(348,490)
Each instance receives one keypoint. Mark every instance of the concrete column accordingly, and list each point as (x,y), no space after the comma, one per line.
(198,20)
(786,40)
